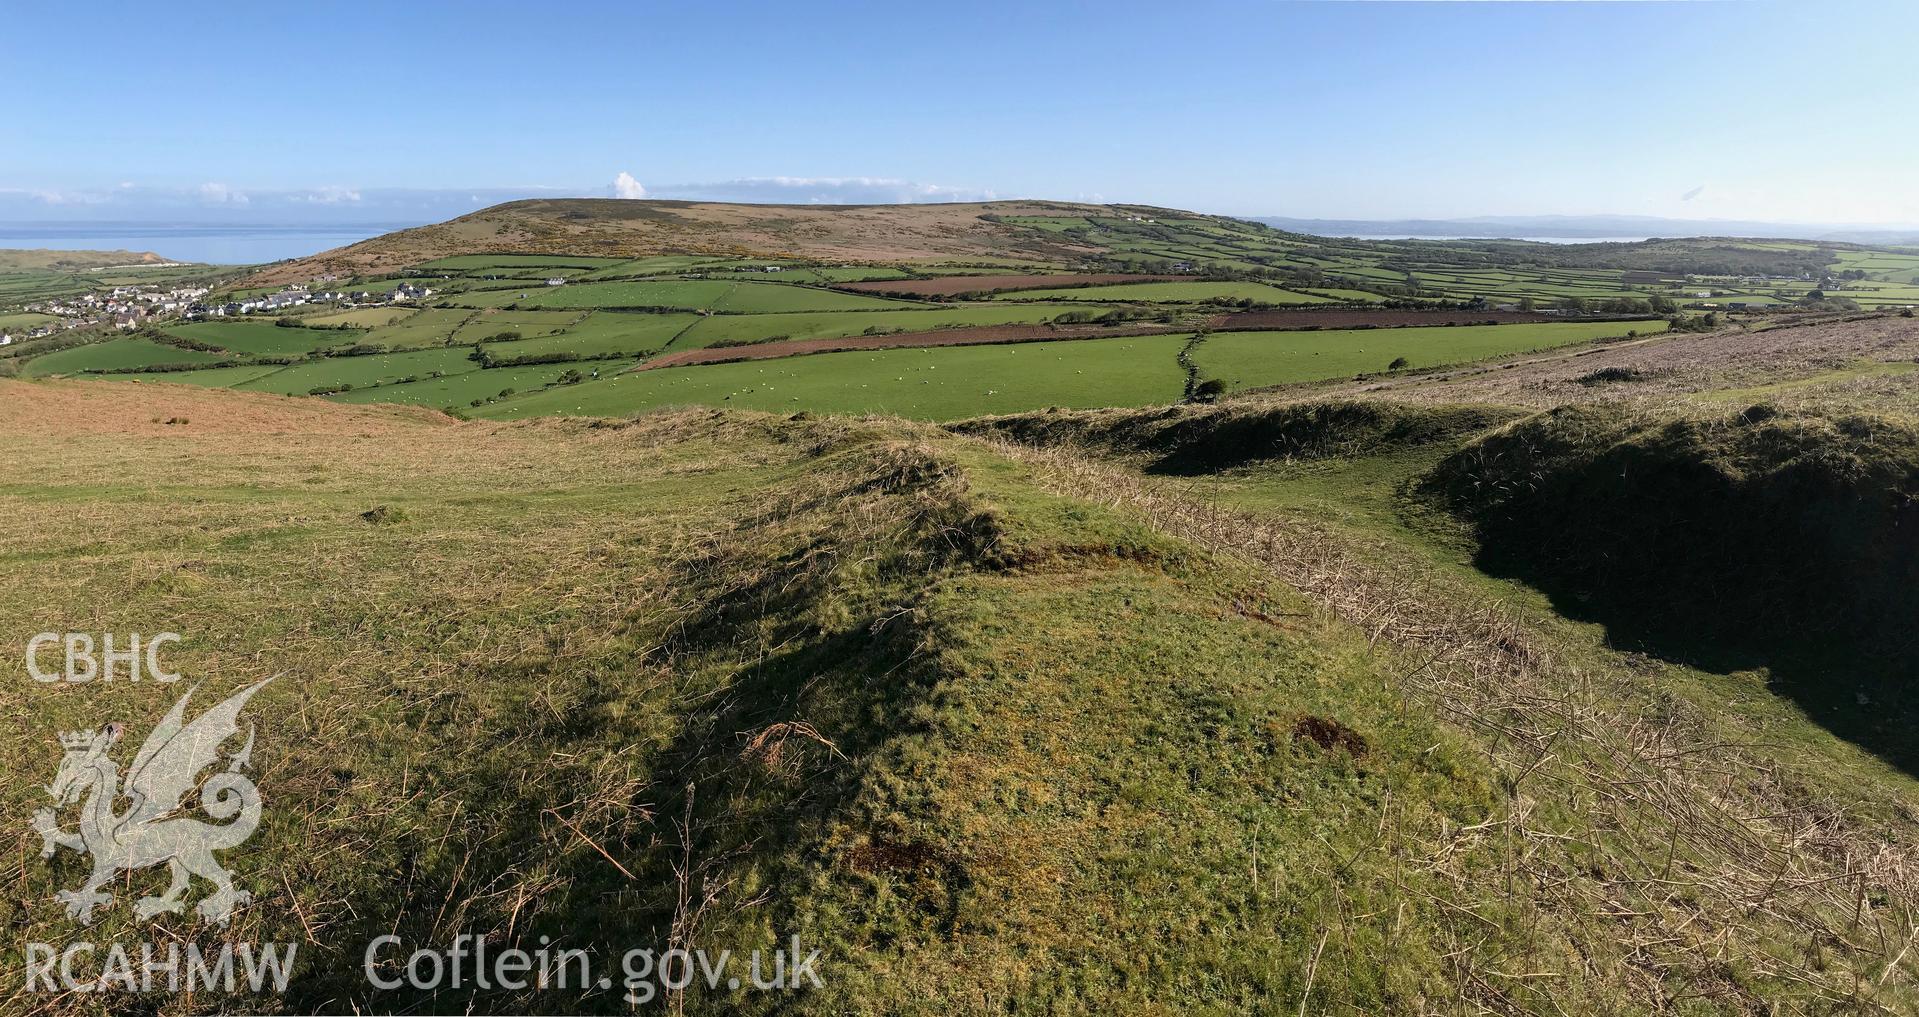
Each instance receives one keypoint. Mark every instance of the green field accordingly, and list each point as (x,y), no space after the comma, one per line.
(115,354)
(469,262)
(808,275)
(260,336)
(742,328)
(1170,292)
(431,326)
(662,265)
(361,371)
(602,332)
(936,383)
(637,307)
(21,321)
(1350,296)
(690,294)
(1254,359)
(527,323)
(361,317)
(458,390)
(212,377)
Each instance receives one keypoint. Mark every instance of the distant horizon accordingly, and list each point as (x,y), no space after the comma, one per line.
(246,219)
(401,208)
(1552,227)
(234,240)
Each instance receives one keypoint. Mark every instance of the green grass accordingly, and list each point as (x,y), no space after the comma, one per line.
(431,326)
(936,383)
(361,372)
(212,377)
(261,336)
(855,274)
(1170,292)
(690,294)
(528,324)
(1355,296)
(457,391)
(115,354)
(987,731)
(739,328)
(603,332)
(661,265)
(557,576)
(468,262)
(362,317)
(21,321)
(1254,359)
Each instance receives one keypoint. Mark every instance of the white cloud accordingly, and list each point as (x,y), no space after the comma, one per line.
(221,194)
(624,186)
(15,195)
(329,195)
(70,197)
(1694,193)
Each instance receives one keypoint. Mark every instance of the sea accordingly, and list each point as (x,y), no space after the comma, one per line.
(207,243)
(1536,240)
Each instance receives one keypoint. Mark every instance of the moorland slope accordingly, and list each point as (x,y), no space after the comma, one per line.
(631,229)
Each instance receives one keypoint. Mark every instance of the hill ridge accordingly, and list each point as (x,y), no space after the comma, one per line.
(644,227)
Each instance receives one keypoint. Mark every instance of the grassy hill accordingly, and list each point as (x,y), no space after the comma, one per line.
(994,725)
(74,261)
(630,229)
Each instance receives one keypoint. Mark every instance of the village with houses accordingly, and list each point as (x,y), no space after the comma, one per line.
(129,307)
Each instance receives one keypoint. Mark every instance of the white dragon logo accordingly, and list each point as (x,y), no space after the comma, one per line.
(148,832)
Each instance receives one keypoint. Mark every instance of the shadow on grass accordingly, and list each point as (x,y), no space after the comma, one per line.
(1860,686)
(1751,542)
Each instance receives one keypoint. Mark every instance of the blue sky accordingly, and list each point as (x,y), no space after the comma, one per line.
(341,111)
